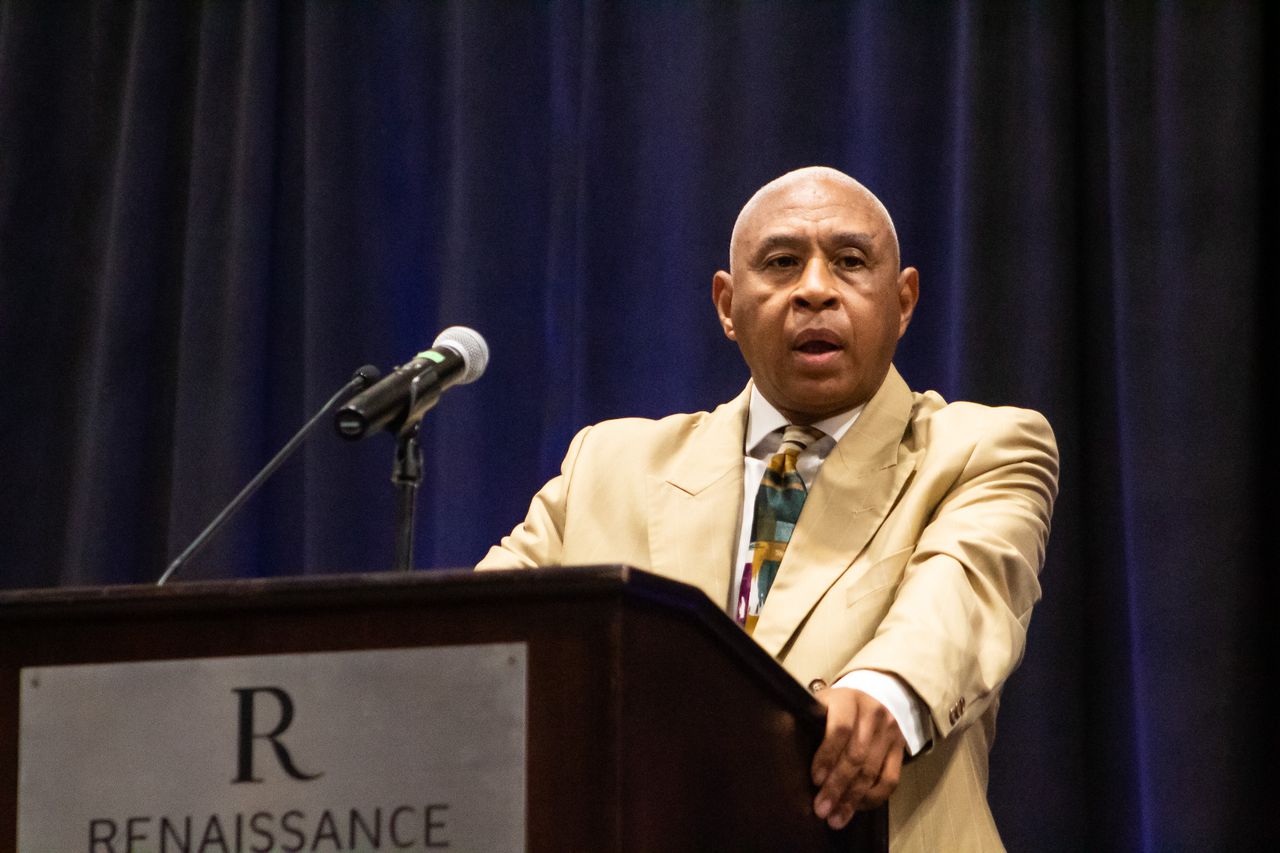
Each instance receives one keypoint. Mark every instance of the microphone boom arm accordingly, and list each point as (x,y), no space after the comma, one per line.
(363,377)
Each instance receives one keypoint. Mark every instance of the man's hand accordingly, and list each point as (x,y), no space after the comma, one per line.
(858,762)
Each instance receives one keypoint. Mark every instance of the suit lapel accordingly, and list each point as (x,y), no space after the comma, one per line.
(858,484)
(694,504)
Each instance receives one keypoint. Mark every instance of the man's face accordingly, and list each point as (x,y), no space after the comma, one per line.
(815,299)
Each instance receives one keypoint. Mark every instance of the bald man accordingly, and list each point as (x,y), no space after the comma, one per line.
(905,589)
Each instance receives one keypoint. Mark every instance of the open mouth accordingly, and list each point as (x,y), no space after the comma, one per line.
(817,347)
(817,342)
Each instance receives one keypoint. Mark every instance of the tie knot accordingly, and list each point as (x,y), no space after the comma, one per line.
(796,438)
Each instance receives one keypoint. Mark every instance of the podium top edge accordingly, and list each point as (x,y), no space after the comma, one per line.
(433,584)
(409,588)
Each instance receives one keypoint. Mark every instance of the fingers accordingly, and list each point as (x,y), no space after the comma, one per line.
(858,764)
(839,727)
(856,772)
(890,775)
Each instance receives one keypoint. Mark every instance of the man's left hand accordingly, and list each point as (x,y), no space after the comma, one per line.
(859,761)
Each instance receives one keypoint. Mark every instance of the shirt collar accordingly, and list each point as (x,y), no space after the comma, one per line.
(764,422)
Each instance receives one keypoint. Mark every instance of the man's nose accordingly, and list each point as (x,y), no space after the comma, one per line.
(816,288)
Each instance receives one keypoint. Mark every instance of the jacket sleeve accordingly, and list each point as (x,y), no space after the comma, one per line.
(539,539)
(957,626)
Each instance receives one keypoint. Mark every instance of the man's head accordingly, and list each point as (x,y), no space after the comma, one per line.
(814,296)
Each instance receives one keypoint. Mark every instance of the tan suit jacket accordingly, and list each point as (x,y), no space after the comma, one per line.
(917,553)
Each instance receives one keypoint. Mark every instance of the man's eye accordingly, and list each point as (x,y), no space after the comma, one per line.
(850,262)
(781,262)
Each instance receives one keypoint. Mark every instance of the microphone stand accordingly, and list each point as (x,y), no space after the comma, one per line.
(458,357)
(406,474)
(363,377)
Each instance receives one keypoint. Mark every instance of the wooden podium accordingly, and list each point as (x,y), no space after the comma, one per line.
(653,722)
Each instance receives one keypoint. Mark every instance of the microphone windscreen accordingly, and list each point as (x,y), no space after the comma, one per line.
(469,346)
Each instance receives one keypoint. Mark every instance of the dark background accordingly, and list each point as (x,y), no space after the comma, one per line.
(210,214)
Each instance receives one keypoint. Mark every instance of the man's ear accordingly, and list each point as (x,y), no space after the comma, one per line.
(908,296)
(722,296)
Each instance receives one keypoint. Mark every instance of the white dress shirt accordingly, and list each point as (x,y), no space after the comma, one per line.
(764,435)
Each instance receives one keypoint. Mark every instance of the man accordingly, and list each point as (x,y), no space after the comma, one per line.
(907,579)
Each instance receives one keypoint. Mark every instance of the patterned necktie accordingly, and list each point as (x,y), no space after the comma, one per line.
(778,505)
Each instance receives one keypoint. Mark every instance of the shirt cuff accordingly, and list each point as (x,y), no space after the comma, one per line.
(889,690)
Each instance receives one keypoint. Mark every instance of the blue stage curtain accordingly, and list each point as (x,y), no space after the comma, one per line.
(211,214)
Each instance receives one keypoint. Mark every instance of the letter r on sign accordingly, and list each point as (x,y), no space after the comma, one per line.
(249,733)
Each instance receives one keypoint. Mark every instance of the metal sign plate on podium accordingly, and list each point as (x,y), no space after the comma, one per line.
(582,708)
(276,751)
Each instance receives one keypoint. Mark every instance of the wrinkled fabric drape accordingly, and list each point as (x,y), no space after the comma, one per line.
(211,214)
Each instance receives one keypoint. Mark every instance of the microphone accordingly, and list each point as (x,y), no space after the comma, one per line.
(362,378)
(458,356)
